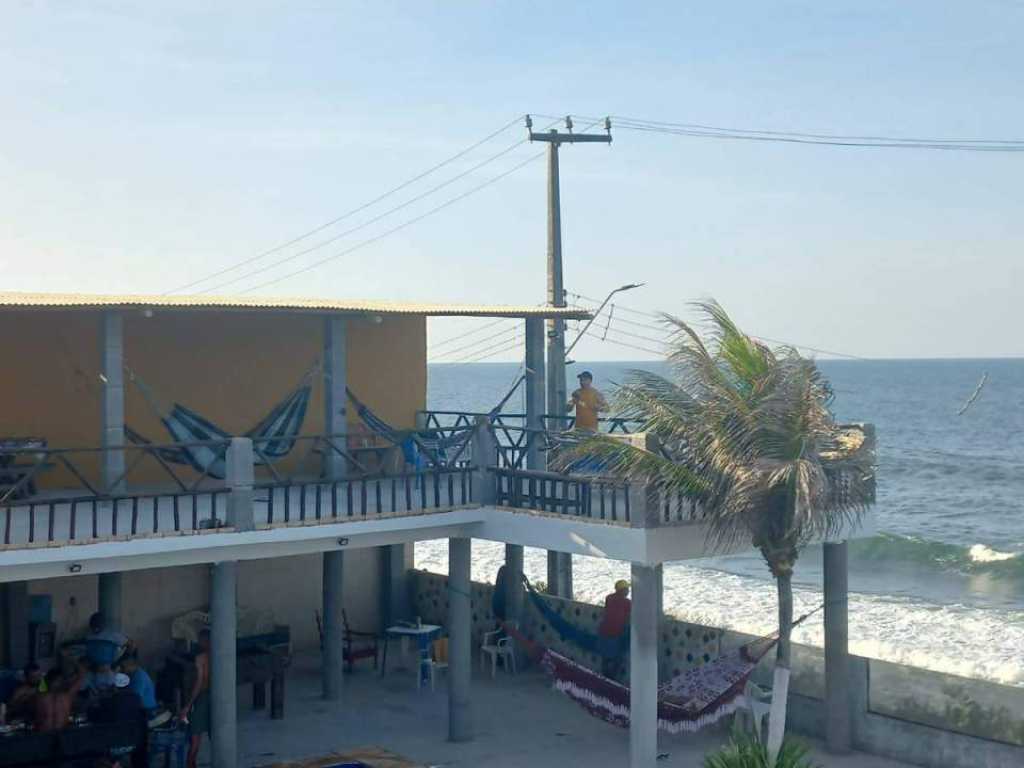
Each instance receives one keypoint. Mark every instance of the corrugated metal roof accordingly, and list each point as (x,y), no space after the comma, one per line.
(43,301)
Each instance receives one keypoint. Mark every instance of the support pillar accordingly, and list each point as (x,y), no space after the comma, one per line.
(484,452)
(397,561)
(239,477)
(514,583)
(460,726)
(14,615)
(335,378)
(334,629)
(223,674)
(838,717)
(112,396)
(110,600)
(643,669)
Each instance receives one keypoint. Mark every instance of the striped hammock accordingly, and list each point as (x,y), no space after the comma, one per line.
(275,434)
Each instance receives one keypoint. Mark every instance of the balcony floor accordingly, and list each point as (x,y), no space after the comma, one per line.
(520,722)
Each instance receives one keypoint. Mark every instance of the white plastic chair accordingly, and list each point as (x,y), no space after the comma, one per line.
(435,661)
(497,647)
(755,703)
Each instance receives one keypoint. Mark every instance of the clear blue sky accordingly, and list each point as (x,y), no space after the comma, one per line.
(145,145)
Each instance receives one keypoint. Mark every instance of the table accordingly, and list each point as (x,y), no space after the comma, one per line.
(423,634)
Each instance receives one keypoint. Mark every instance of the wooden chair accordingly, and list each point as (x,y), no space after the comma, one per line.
(356,645)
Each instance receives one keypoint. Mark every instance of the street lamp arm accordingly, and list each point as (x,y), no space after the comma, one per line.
(600,309)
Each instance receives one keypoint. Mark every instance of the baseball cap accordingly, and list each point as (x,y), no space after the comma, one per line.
(121,680)
(585,374)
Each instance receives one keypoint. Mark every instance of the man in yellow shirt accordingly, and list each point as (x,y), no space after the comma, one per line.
(587,402)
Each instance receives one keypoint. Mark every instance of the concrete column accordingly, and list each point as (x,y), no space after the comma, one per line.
(460,650)
(514,582)
(837,654)
(643,669)
(397,561)
(560,574)
(223,660)
(534,388)
(14,615)
(334,630)
(110,600)
(112,395)
(335,373)
(239,478)
(484,452)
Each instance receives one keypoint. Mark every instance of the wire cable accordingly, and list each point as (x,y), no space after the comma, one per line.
(351,212)
(398,228)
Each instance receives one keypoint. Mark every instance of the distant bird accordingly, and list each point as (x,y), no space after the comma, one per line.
(974,396)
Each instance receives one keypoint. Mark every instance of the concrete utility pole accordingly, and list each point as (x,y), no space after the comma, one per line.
(559,564)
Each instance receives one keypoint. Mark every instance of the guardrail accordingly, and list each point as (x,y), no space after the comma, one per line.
(577,496)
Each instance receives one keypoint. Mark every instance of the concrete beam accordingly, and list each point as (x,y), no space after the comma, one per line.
(223,672)
(334,629)
(837,654)
(643,668)
(112,398)
(335,378)
(460,650)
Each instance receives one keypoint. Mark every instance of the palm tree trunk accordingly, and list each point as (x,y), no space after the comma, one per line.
(780,686)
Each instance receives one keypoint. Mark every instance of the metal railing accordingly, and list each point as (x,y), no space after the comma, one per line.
(577,496)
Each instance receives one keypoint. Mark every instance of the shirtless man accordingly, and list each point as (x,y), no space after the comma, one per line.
(197,709)
(53,708)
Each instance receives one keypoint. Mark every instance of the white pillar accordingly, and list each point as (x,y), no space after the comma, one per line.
(837,657)
(397,561)
(643,668)
(460,725)
(335,377)
(112,395)
(223,674)
(239,477)
(333,604)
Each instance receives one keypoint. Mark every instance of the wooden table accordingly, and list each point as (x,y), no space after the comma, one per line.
(253,667)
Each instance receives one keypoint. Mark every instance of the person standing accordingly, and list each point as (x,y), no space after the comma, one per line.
(197,709)
(104,646)
(613,629)
(587,402)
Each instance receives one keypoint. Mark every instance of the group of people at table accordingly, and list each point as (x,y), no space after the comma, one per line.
(106,685)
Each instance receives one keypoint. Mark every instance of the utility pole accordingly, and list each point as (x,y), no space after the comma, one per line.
(559,564)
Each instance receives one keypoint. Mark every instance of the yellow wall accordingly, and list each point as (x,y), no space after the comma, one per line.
(230,367)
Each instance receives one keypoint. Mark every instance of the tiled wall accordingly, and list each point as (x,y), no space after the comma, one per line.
(682,645)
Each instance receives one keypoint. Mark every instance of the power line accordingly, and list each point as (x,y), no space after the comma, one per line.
(700,130)
(477,342)
(485,326)
(368,222)
(401,226)
(353,211)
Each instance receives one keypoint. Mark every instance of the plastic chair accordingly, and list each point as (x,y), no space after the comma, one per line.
(496,646)
(755,703)
(433,661)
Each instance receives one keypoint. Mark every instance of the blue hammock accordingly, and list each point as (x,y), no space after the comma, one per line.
(276,433)
(428,448)
(611,647)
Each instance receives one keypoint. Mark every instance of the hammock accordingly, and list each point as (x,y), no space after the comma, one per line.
(275,433)
(429,448)
(587,641)
(699,697)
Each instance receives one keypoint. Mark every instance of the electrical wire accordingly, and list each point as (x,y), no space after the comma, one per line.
(368,222)
(477,342)
(398,228)
(458,337)
(351,212)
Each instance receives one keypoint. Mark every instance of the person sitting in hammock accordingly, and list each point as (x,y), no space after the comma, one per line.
(612,632)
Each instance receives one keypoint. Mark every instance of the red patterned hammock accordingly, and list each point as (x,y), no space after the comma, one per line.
(697,698)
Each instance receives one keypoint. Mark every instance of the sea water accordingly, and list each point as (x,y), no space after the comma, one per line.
(941,584)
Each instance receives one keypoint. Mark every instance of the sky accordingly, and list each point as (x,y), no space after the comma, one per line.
(146,146)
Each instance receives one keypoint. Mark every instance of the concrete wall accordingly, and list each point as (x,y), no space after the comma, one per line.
(289,587)
(231,367)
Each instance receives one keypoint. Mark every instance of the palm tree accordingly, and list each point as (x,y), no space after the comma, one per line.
(747,431)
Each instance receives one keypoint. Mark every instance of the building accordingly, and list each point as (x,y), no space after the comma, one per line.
(164,453)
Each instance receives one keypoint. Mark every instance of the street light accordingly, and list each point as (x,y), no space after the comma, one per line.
(620,289)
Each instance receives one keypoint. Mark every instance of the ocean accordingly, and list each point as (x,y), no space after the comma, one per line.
(941,583)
